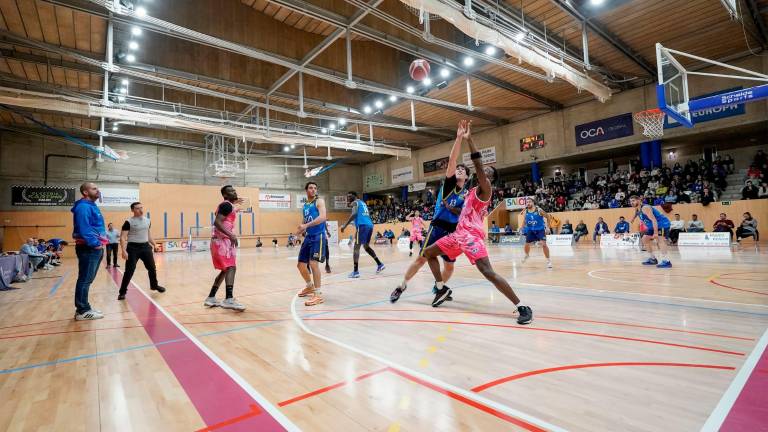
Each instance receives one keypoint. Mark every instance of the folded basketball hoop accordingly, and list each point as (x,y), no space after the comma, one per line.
(652,121)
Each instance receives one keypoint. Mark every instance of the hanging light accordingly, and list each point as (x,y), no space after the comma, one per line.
(393,98)
(520,36)
(367,109)
(332,126)
(410,89)
(324,130)
(427,82)
(379,104)
(133,45)
(130,58)
(141,11)
(293,146)
(342,121)
(286,148)
(136,31)
(445,73)
(490,50)
(468,61)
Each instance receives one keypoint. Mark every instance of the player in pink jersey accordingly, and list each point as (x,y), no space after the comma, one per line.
(417,225)
(469,237)
(224,250)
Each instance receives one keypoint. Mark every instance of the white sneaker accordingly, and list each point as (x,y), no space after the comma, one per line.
(88,315)
(549,264)
(231,303)
(211,302)
(525,258)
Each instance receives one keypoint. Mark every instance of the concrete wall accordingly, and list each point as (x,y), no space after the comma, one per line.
(559,133)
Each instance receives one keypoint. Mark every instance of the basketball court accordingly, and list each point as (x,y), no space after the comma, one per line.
(175,104)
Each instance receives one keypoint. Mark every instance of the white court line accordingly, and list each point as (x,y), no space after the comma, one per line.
(271,409)
(589,273)
(465,393)
(723,407)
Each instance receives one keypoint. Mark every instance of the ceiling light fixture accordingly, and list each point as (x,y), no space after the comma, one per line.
(133,45)
(124,82)
(324,130)
(141,11)
(468,61)
(342,121)
(393,98)
(136,31)
(379,104)
(367,109)
(445,73)
(130,58)
(332,126)
(410,89)
(520,36)
(490,50)
(427,82)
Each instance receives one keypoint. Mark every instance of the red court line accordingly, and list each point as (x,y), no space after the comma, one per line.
(68,320)
(750,410)
(253,412)
(466,401)
(737,289)
(215,394)
(328,388)
(500,381)
(16,336)
(518,327)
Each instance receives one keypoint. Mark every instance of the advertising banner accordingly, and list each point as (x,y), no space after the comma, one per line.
(43,196)
(710,114)
(340,202)
(434,166)
(488,153)
(605,129)
(512,240)
(517,203)
(333,228)
(117,197)
(373,181)
(274,200)
(559,239)
(401,175)
(620,240)
(722,239)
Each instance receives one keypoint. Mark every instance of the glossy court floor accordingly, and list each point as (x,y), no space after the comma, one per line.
(613,346)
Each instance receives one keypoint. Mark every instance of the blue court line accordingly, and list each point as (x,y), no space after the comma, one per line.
(57,284)
(144,346)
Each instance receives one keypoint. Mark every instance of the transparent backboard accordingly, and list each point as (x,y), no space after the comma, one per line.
(672,90)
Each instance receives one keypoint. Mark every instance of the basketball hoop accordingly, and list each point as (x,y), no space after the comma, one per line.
(652,121)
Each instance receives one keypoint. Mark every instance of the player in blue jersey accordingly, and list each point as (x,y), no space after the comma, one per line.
(450,201)
(314,247)
(535,229)
(362,220)
(657,227)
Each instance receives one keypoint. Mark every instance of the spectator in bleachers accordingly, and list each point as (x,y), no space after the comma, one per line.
(507,229)
(671,197)
(748,228)
(707,197)
(600,228)
(676,226)
(695,225)
(622,226)
(567,228)
(495,232)
(581,231)
(730,164)
(405,233)
(753,172)
(762,192)
(749,191)
(723,225)
(39,261)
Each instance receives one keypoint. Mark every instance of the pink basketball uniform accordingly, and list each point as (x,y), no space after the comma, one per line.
(223,251)
(416,224)
(469,237)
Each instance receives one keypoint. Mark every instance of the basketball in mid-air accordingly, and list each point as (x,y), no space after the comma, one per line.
(419,69)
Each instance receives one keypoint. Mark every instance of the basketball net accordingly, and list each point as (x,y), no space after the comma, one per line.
(652,121)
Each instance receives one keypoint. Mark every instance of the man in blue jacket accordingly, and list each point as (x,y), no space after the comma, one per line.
(90,238)
(600,228)
(622,226)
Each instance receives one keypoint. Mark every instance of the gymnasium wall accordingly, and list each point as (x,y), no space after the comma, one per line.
(559,129)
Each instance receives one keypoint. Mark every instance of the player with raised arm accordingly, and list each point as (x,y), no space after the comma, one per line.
(450,201)
(656,227)
(362,220)
(314,247)
(535,228)
(469,237)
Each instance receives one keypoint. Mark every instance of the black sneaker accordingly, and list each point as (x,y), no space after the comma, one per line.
(158,289)
(449,298)
(442,295)
(526,315)
(395,296)
(121,296)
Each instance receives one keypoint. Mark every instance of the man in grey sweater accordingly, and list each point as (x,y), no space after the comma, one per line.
(136,244)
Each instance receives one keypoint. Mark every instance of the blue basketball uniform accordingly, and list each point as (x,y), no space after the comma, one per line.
(444,221)
(534,228)
(314,246)
(363,223)
(661,220)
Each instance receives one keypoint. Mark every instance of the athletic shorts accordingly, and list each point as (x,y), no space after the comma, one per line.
(532,236)
(364,233)
(433,235)
(456,244)
(416,236)
(314,247)
(663,232)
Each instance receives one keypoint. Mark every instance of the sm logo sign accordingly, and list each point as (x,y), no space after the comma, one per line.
(604,130)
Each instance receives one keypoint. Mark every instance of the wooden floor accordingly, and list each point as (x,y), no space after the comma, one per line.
(613,346)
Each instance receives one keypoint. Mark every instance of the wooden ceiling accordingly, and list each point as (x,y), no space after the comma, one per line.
(621,36)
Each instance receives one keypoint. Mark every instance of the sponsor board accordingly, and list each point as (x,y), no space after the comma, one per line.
(722,239)
(620,240)
(333,229)
(709,114)
(186,245)
(117,197)
(401,175)
(488,156)
(517,203)
(42,196)
(340,202)
(417,187)
(274,200)
(436,165)
(373,181)
(559,239)
(512,240)
(532,142)
(605,129)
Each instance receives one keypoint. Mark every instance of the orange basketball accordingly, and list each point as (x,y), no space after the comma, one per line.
(419,69)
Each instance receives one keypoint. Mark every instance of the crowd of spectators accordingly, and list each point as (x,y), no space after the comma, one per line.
(756,183)
(43,255)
